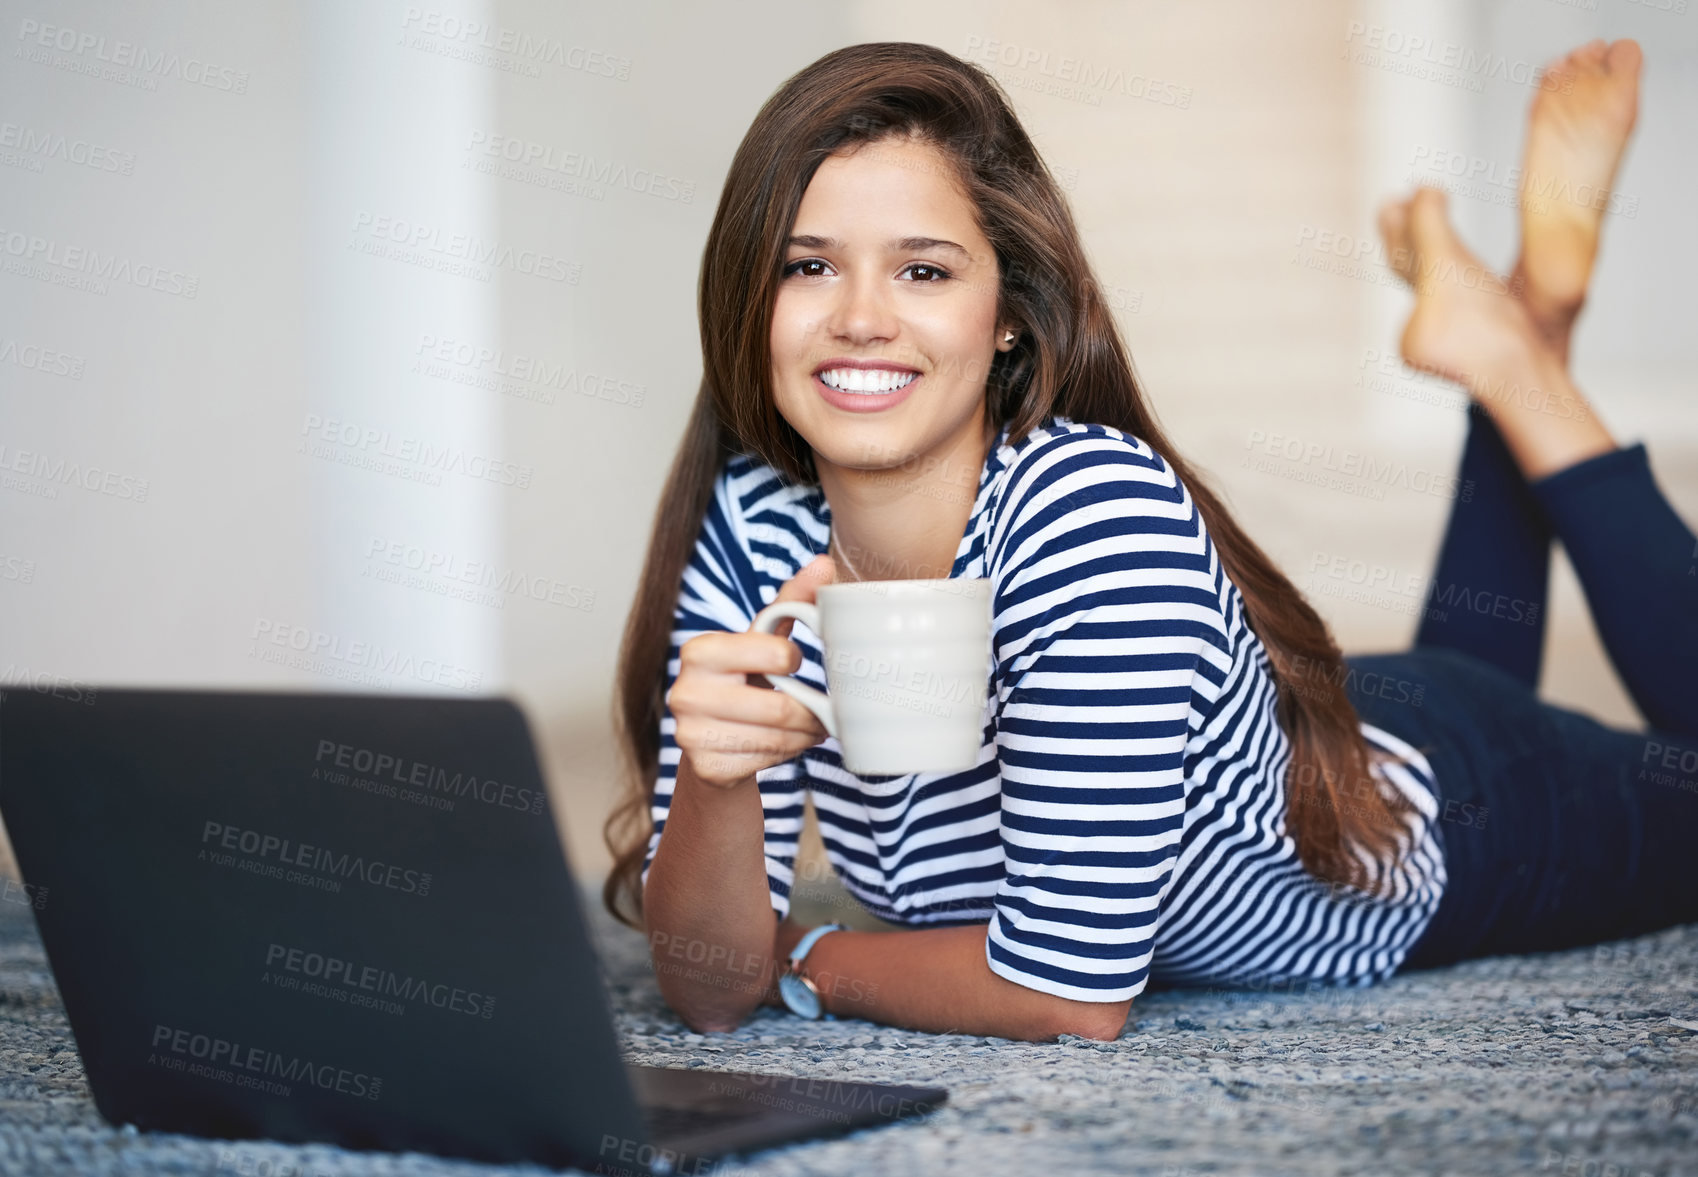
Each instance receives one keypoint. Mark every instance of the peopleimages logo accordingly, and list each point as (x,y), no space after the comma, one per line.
(1322,458)
(34,256)
(286,852)
(426,776)
(334,970)
(42,359)
(498,45)
(574,165)
(305,648)
(39,144)
(1446,62)
(23,894)
(211,1053)
(349,443)
(517,375)
(412,241)
(1087,78)
(53,472)
(43,683)
(130,56)
(452,575)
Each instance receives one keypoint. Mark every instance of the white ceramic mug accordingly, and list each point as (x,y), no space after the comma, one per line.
(907,665)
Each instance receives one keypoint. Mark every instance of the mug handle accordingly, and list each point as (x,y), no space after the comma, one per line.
(766,621)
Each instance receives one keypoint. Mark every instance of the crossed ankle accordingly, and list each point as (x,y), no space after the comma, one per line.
(1554,317)
(1552,320)
(1529,373)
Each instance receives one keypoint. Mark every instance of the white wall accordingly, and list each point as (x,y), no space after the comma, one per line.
(266,188)
(320,480)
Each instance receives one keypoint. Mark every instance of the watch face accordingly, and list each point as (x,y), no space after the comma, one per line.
(799,996)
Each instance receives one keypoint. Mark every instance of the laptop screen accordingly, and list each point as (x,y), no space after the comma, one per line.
(345,918)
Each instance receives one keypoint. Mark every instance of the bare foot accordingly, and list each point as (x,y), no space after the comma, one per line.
(1580,121)
(1467,328)
(1465,321)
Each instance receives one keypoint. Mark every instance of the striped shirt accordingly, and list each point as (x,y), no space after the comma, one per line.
(1126,819)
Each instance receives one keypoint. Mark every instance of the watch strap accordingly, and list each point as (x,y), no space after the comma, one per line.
(807,942)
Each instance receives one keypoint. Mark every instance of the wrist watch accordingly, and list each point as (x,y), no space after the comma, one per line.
(799,992)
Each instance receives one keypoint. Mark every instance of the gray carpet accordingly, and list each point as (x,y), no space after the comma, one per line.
(1574,1064)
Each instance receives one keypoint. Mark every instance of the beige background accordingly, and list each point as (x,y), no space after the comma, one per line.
(1193,213)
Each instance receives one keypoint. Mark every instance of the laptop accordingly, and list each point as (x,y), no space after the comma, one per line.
(349,918)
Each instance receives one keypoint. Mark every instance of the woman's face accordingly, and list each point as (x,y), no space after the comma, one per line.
(885,323)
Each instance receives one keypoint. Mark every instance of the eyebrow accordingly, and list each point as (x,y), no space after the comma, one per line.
(904,244)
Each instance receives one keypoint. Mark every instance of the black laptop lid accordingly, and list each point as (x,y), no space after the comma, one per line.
(344,918)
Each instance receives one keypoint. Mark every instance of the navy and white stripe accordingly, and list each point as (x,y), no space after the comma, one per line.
(1126,819)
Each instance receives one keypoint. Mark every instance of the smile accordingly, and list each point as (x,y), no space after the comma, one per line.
(864,390)
(867,381)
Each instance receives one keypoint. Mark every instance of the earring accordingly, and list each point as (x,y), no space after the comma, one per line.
(1008,338)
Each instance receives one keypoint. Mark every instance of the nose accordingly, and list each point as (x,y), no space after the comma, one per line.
(863,311)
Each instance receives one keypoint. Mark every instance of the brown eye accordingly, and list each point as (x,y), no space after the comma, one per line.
(926,273)
(796,267)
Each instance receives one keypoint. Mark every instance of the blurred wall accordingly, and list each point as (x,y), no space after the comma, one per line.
(345,347)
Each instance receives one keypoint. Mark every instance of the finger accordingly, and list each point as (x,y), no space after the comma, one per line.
(740,653)
(730,740)
(760,706)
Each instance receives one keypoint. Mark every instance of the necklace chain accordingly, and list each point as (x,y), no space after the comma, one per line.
(841,557)
(832,539)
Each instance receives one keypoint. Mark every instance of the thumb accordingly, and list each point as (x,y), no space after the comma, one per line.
(821,570)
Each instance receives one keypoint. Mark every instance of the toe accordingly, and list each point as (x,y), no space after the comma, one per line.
(1429,212)
(1552,75)
(1592,52)
(1430,231)
(1624,56)
(1394,219)
(1394,231)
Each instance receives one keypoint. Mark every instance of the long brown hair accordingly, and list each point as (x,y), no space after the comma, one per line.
(1070,361)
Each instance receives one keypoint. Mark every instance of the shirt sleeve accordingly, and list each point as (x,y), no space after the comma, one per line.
(1110,632)
(720,591)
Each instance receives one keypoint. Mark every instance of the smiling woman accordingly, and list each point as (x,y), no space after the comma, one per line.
(906,358)
(882,342)
(809,262)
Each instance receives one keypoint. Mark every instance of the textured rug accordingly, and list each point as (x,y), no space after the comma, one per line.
(1575,1064)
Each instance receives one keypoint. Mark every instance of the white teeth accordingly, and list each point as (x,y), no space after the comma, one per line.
(868,380)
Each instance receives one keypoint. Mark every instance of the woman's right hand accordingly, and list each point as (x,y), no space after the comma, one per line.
(729,727)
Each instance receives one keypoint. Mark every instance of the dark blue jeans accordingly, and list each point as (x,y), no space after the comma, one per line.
(1557,830)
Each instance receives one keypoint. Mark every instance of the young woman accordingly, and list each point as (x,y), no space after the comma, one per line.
(909,372)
